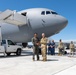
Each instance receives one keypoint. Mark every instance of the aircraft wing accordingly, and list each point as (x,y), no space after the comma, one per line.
(13,17)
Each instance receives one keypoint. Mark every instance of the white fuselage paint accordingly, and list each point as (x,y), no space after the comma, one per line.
(36,23)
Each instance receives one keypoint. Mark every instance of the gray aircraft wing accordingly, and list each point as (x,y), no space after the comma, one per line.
(13,17)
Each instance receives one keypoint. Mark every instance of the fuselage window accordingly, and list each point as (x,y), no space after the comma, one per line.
(24,14)
(43,13)
(54,12)
(48,12)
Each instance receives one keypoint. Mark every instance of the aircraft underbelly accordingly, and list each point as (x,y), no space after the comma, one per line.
(16,34)
(9,29)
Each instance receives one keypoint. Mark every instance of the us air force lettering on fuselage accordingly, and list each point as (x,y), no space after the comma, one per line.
(20,26)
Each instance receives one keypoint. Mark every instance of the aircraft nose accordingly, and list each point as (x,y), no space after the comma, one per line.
(64,21)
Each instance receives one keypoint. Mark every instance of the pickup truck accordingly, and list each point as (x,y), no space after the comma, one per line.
(8,47)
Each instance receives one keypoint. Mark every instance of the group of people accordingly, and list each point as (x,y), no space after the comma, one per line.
(42,43)
(51,47)
(61,48)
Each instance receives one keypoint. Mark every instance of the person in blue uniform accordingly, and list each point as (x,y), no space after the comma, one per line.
(49,47)
(52,47)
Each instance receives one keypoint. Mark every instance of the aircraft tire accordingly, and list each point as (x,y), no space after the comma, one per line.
(8,54)
(24,44)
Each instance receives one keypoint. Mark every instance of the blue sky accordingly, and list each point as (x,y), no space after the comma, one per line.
(66,8)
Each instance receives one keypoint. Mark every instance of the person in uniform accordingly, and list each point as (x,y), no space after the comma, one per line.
(52,47)
(43,42)
(72,48)
(49,47)
(35,41)
(60,47)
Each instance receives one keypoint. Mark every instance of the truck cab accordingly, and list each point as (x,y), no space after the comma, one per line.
(8,47)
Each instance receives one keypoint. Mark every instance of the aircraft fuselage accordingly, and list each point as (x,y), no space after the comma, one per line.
(39,20)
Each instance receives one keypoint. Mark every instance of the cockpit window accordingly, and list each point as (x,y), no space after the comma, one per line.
(48,12)
(43,13)
(24,14)
(54,12)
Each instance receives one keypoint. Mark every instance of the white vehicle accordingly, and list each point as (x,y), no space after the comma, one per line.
(8,47)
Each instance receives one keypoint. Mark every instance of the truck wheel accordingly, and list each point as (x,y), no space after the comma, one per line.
(8,54)
(18,52)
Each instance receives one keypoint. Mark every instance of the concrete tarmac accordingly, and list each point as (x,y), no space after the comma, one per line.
(24,65)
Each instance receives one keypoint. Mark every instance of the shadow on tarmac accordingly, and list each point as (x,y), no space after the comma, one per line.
(24,53)
(52,59)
